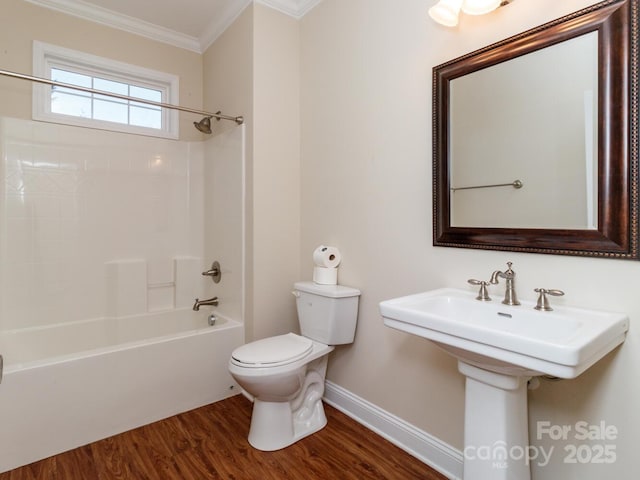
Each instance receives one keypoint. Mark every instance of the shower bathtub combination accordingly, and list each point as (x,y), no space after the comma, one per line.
(71,384)
(102,241)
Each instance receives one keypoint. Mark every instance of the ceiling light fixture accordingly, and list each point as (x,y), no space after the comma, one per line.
(446,12)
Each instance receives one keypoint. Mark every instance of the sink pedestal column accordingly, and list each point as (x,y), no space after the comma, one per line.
(496,429)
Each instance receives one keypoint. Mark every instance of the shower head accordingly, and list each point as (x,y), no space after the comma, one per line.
(204,125)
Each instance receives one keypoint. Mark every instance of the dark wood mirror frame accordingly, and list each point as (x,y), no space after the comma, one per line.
(616,236)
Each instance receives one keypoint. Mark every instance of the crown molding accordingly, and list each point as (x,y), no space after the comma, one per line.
(293,8)
(109,18)
(218,25)
(94,13)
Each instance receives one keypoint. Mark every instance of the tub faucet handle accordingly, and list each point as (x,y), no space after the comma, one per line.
(214,272)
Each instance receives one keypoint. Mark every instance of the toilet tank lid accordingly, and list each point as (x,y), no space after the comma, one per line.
(332,291)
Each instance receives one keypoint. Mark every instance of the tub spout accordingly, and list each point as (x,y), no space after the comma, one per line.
(211,301)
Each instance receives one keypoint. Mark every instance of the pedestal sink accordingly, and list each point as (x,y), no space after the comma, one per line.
(499,348)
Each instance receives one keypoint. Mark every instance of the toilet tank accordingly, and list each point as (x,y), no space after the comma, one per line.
(327,313)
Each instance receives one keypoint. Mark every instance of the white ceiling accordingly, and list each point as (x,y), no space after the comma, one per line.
(190,24)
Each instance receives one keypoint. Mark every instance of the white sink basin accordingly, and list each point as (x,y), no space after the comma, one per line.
(513,340)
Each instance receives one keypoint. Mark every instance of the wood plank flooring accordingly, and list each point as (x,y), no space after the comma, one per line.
(211,443)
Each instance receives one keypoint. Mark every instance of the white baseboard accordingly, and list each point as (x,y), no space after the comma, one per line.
(418,443)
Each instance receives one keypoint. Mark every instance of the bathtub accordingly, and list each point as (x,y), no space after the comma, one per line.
(70,384)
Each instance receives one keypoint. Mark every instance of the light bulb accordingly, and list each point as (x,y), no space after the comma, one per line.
(445,12)
(480,7)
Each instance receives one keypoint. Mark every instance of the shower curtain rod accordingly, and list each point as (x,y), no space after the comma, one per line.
(239,120)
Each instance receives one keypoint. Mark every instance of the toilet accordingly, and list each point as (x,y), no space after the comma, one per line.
(285,374)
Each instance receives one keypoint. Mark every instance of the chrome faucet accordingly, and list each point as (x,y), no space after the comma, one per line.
(510,297)
(211,301)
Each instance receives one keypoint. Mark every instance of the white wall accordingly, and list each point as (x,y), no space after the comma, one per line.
(276,171)
(366,188)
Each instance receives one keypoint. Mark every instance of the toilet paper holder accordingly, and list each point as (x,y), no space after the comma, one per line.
(214,272)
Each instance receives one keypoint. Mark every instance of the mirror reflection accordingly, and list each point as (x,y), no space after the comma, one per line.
(521,120)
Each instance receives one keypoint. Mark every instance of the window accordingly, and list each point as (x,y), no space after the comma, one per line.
(75,107)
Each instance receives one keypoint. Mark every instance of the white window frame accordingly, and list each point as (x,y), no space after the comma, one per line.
(47,56)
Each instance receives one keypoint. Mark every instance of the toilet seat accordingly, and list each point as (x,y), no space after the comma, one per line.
(272,351)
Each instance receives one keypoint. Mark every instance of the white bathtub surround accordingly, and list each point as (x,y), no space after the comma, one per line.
(126,287)
(72,200)
(224,222)
(68,385)
(161,284)
(141,286)
(188,280)
(101,248)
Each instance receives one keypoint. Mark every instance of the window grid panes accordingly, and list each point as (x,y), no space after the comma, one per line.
(76,103)
(68,106)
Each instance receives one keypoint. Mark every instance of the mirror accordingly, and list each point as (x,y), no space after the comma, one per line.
(536,139)
(497,117)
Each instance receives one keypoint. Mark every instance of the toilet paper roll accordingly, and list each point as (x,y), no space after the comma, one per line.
(325,275)
(328,257)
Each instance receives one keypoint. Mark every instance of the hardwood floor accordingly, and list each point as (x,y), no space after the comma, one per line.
(211,443)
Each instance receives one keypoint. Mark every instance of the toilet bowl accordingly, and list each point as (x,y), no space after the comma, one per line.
(284,375)
(286,395)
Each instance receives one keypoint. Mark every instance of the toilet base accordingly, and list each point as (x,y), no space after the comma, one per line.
(276,425)
(273,426)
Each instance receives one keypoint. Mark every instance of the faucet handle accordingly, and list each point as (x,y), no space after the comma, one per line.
(214,272)
(483,294)
(543,301)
